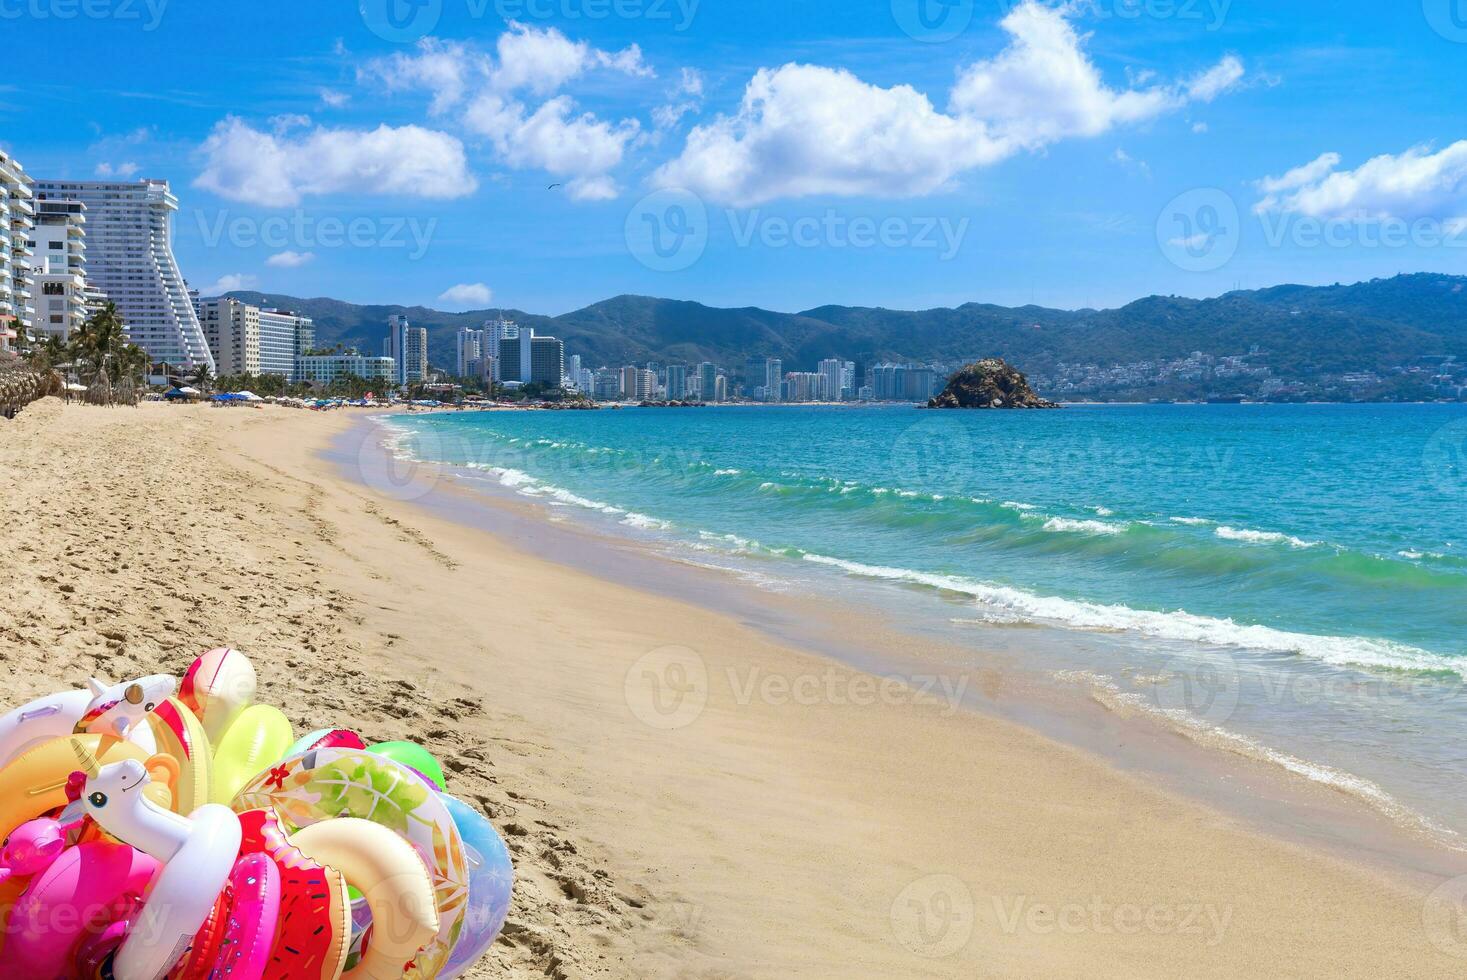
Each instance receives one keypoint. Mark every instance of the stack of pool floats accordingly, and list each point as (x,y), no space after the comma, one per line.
(155,830)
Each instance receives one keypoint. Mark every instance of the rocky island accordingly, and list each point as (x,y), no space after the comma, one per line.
(989,383)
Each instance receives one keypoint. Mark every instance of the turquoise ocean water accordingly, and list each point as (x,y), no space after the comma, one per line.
(1304,567)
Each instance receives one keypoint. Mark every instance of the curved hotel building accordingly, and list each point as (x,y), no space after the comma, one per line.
(129,256)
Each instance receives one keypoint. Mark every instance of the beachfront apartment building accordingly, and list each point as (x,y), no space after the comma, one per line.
(246,339)
(547,361)
(284,336)
(324,369)
(129,239)
(468,348)
(902,382)
(61,296)
(232,330)
(407,345)
(17,214)
(677,381)
(840,378)
(708,381)
(763,377)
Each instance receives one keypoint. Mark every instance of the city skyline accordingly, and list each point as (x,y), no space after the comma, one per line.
(400,132)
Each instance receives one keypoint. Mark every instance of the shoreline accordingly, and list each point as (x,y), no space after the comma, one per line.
(1075,711)
(762,836)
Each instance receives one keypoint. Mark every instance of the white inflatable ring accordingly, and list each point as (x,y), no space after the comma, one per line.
(182,897)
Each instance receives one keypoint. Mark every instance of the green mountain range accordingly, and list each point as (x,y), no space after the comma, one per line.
(1298,332)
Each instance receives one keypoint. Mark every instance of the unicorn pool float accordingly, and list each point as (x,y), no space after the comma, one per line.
(244,853)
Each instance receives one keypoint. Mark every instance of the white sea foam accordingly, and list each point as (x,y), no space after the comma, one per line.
(1192,521)
(1352,651)
(1013,505)
(1262,537)
(1065,524)
(728,472)
(1104,512)
(1108,694)
(634,519)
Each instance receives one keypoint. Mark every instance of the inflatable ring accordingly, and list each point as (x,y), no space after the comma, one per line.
(392,879)
(35,783)
(325,738)
(199,959)
(313,929)
(67,902)
(101,709)
(259,736)
(254,906)
(491,885)
(179,734)
(328,784)
(182,897)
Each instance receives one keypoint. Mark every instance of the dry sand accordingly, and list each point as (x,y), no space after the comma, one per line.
(765,837)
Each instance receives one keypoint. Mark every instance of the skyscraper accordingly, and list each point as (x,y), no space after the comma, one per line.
(831,370)
(677,381)
(407,345)
(232,329)
(547,361)
(16,218)
(469,346)
(708,381)
(130,258)
(514,352)
(773,379)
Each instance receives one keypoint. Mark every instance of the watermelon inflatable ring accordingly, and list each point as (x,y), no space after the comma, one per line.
(332,783)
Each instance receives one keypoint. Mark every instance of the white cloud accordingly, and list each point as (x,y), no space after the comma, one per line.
(600,188)
(1217,80)
(1418,183)
(686,97)
(289,259)
(1129,162)
(552,138)
(332,99)
(467,296)
(246,164)
(543,61)
(807,129)
(228,284)
(499,97)
(284,123)
(539,61)
(123,170)
(445,69)
(1199,128)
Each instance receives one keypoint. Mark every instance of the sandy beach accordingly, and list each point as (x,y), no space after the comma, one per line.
(683,795)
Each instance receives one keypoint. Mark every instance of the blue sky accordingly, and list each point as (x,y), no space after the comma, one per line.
(784,155)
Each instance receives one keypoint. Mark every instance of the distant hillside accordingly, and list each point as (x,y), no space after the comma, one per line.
(1302,331)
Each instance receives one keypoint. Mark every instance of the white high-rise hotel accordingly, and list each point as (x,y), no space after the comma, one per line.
(129,256)
(16,218)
